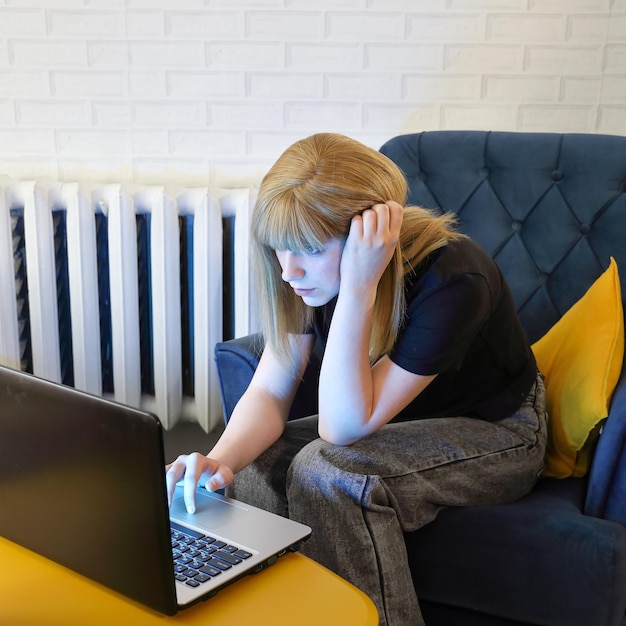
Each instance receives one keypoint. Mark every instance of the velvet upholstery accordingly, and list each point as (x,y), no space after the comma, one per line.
(551,210)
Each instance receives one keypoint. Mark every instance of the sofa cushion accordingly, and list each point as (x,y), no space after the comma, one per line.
(581,358)
(477,558)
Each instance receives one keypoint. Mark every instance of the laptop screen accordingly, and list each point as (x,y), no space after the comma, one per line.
(82,483)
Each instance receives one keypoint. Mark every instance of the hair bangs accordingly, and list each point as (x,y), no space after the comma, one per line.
(304,226)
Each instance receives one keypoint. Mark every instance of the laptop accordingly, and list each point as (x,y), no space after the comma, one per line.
(82,482)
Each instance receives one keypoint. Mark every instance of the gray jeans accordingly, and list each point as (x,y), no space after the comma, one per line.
(360,499)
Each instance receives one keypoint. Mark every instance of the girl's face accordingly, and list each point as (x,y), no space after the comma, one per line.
(313,275)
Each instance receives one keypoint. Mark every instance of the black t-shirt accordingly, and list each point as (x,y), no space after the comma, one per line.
(461,324)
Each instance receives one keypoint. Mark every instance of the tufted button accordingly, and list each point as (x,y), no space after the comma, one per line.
(622,187)
(585,229)
(557,176)
(516,226)
(421,176)
(484,171)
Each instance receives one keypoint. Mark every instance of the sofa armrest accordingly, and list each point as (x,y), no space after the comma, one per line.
(606,491)
(236,361)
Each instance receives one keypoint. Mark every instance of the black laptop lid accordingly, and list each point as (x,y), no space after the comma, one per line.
(82,483)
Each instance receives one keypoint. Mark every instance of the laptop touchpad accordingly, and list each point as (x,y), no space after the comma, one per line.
(211,510)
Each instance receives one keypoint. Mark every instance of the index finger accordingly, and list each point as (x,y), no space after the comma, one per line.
(198,466)
(191,468)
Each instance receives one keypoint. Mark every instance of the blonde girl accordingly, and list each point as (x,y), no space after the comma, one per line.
(429,395)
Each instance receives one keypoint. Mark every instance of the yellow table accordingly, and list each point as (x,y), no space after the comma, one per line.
(35,591)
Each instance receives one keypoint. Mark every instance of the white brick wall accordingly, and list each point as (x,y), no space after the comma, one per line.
(211,91)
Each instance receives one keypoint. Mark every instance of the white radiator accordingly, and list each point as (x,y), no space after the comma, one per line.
(118,290)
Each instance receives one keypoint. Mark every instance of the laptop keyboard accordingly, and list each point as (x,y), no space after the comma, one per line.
(198,557)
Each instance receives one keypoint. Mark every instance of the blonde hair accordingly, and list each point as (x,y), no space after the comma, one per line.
(309,196)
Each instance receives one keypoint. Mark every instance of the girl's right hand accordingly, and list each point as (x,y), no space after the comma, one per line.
(194,469)
(370,245)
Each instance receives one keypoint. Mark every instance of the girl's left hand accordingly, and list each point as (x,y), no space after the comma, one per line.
(370,245)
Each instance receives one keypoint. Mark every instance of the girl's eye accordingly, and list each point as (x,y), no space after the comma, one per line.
(311,251)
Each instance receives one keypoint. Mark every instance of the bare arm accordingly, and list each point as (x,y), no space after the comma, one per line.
(356,399)
(257,422)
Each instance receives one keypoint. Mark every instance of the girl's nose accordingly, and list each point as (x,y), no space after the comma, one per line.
(292,268)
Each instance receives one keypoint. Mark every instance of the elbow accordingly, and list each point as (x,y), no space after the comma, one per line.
(339,441)
(344,426)
(338,436)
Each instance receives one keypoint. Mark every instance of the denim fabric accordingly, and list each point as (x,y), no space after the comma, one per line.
(361,499)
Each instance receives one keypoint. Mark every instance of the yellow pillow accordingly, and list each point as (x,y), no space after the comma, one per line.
(581,358)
